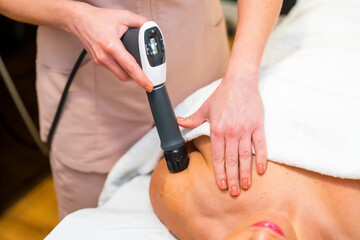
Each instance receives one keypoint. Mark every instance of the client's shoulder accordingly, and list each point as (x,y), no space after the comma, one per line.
(172,194)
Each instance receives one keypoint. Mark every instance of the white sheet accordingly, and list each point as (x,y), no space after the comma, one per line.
(128,215)
(310,84)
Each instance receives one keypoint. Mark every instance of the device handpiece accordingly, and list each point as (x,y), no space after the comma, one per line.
(147,46)
(172,142)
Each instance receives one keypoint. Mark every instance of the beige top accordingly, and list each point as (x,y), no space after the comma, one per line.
(103,117)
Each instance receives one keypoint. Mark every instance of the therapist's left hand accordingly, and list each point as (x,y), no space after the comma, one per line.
(236,116)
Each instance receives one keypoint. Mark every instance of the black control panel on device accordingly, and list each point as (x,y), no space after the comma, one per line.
(155,48)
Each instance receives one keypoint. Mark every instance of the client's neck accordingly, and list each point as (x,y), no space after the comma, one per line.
(327,209)
(322,206)
(310,208)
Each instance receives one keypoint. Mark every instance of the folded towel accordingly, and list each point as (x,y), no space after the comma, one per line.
(310,85)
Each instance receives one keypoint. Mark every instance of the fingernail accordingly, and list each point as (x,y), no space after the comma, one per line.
(180,119)
(234,190)
(223,184)
(245,183)
(148,88)
(260,168)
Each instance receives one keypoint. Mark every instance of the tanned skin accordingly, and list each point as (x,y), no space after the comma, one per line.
(304,204)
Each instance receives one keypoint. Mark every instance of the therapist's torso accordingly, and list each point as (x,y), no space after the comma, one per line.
(103,117)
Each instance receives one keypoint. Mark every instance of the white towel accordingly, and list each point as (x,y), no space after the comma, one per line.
(310,86)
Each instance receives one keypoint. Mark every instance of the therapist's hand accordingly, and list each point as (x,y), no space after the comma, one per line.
(236,116)
(100,30)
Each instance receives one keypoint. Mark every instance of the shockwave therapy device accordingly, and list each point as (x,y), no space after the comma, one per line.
(147,46)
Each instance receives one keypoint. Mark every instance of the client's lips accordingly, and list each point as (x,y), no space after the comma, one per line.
(269,225)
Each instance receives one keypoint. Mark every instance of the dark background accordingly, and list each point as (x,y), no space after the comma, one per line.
(22,165)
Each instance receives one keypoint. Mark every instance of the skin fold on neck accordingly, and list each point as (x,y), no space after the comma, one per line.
(305,205)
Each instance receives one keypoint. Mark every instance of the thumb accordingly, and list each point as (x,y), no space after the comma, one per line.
(193,120)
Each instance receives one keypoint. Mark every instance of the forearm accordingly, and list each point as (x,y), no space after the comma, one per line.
(256,19)
(59,13)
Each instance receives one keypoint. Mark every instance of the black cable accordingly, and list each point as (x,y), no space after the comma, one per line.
(63,98)
(287,6)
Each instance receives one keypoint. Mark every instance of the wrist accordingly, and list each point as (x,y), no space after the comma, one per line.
(76,11)
(243,77)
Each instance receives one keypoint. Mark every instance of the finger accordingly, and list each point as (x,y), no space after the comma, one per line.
(259,142)
(232,165)
(133,20)
(193,120)
(131,67)
(217,156)
(245,157)
(128,63)
(109,62)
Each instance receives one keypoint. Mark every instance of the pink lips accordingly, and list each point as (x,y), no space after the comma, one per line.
(269,225)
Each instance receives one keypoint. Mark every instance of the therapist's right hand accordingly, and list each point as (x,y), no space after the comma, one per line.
(100,30)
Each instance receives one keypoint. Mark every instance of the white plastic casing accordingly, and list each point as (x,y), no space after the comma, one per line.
(157,74)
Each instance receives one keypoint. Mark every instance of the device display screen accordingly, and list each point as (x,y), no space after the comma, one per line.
(155,48)
(153,45)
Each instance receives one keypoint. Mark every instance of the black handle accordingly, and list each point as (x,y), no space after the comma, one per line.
(131,43)
(165,119)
